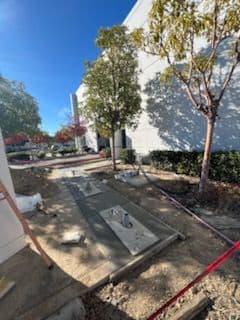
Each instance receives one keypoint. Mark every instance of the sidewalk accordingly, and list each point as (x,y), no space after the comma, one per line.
(57,161)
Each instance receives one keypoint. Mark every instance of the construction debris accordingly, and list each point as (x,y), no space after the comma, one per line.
(73,237)
(28,203)
(125,175)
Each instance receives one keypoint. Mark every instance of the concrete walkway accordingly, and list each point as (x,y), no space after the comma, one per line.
(57,161)
(107,240)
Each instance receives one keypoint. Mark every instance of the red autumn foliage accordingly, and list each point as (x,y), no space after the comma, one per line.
(72,130)
(40,138)
(64,135)
(17,138)
(77,129)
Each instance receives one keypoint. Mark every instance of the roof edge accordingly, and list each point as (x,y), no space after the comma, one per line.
(132,11)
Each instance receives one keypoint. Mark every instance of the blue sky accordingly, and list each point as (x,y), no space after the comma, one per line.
(44,43)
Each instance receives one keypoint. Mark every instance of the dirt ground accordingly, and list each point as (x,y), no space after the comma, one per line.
(142,291)
(145,289)
(30,181)
(221,198)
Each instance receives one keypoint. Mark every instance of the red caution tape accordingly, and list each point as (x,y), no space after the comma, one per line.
(212,267)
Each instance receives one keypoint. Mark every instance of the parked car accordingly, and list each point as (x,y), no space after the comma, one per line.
(87,149)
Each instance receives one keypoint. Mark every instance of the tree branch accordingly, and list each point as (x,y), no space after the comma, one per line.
(229,76)
(227,80)
(191,55)
(215,21)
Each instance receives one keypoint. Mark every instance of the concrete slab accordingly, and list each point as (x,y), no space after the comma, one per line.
(136,238)
(89,189)
(72,310)
(107,239)
(141,180)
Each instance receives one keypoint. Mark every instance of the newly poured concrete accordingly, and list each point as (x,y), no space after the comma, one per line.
(89,189)
(136,237)
(107,239)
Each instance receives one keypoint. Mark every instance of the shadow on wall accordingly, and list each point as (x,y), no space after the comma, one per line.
(129,144)
(182,127)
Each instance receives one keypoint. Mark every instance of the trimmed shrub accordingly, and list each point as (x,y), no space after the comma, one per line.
(105,153)
(224,166)
(128,156)
(41,155)
(67,151)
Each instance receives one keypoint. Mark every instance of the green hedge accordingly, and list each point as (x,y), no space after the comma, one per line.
(67,151)
(20,155)
(128,156)
(225,165)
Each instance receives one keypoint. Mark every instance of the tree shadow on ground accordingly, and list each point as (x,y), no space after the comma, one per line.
(155,281)
(39,292)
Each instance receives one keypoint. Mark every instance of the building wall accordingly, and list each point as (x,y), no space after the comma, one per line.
(169,121)
(11,231)
(91,135)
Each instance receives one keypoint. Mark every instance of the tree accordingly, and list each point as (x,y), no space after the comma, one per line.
(41,137)
(64,135)
(18,109)
(112,91)
(68,132)
(77,127)
(176,29)
(18,138)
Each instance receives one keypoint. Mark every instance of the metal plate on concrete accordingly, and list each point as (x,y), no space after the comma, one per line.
(136,237)
(89,189)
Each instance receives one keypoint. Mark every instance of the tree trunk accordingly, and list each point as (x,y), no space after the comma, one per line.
(207,155)
(113,151)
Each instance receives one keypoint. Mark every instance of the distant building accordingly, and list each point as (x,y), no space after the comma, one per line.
(168,121)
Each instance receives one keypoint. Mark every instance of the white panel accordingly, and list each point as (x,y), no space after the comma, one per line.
(91,135)
(11,231)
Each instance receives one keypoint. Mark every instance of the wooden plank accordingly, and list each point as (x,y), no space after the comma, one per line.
(228,227)
(192,308)
(5,286)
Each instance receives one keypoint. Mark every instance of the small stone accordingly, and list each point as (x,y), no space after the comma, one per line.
(114,302)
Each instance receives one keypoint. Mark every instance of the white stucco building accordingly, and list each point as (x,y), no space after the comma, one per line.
(168,121)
